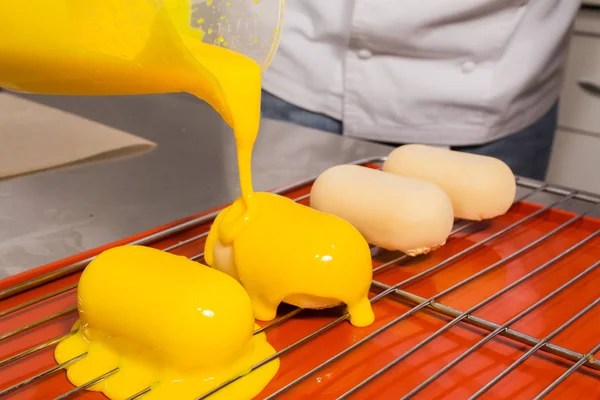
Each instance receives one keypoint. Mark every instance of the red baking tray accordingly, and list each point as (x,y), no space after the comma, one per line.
(449,325)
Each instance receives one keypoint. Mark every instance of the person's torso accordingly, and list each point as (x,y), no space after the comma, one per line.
(443,72)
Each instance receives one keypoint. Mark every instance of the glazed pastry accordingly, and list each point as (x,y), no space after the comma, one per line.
(167,323)
(288,252)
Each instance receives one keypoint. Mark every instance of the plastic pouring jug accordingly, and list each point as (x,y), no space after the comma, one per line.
(249,27)
(112,47)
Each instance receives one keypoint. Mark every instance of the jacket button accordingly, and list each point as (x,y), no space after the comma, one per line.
(468,67)
(364,54)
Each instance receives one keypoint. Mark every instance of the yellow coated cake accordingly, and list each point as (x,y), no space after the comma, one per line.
(287,252)
(165,322)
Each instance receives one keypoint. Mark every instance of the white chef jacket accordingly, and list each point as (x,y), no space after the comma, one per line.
(447,72)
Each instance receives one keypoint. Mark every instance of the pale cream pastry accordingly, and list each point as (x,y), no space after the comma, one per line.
(392,212)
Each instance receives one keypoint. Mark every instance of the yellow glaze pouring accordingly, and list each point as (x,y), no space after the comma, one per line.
(294,254)
(167,323)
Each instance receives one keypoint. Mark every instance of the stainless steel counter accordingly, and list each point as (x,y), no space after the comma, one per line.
(54,214)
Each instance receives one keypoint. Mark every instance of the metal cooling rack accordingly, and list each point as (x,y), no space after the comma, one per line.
(588,203)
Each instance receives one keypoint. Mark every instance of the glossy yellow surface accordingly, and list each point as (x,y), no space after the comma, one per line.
(165,322)
(292,253)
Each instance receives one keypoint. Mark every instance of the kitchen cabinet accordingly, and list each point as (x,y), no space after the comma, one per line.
(575,159)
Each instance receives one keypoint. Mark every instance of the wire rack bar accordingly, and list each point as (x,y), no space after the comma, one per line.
(401,259)
(197,257)
(491,326)
(497,331)
(589,357)
(559,190)
(40,280)
(36,300)
(185,242)
(41,375)
(531,351)
(396,261)
(37,323)
(301,198)
(88,384)
(279,321)
(422,303)
(35,349)
(140,394)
